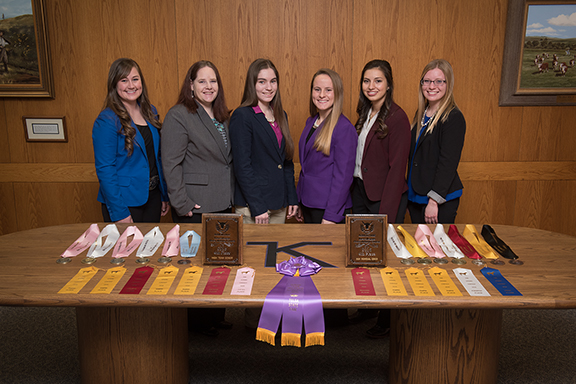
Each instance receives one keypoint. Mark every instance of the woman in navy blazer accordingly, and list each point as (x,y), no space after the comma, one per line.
(438,130)
(262,149)
(126,142)
(327,150)
(383,145)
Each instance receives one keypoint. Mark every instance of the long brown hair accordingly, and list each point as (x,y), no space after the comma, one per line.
(364,104)
(119,70)
(250,99)
(324,136)
(186,98)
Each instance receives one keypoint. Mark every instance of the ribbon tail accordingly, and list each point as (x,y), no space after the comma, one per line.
(271,313)
(292,311)
(313,314)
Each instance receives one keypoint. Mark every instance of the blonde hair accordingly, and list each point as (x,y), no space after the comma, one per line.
(324,137)
(447,104)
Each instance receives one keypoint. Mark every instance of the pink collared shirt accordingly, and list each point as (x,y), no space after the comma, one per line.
(274,126)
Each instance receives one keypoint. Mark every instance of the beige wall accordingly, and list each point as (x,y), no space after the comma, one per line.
(518,164)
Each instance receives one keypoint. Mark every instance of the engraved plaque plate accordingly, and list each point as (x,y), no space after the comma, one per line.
(366,240)
(222,237)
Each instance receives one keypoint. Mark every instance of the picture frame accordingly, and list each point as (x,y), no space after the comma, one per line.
(526,79)
(27,70)
(45,129)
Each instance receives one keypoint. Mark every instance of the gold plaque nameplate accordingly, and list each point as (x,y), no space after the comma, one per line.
(222,238)
(366,240)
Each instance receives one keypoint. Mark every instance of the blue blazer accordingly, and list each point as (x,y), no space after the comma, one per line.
(325,181)
(264,177)
(124,180)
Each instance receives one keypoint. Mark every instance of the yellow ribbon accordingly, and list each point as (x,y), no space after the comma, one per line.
(189,281)
(109,281)
(478,242)
(411,244)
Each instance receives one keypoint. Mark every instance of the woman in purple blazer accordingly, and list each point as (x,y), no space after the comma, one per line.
(327,151)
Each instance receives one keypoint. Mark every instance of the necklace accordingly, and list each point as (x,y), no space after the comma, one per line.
(273,119)
(423,123)
(316,123)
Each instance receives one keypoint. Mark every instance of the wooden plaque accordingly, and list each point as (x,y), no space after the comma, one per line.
(366,240)
(222,235)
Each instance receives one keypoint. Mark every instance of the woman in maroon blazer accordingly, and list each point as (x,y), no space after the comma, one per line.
(383,144)
(381,159)
(327,148)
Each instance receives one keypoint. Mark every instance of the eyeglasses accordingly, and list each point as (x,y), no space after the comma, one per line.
(436,82)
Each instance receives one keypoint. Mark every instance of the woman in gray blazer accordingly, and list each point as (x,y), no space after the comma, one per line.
(196,151)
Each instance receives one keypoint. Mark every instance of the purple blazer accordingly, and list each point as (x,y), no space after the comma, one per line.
(325,181)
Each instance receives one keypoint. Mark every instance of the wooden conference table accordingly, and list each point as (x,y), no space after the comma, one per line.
(143,338)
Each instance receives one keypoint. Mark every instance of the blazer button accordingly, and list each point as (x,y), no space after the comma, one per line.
(279,166)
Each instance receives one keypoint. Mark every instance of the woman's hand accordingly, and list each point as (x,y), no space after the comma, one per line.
(431,212)
(324,221)
(262,219)
(293,211)
(126,220)
(191,213)
(165,208)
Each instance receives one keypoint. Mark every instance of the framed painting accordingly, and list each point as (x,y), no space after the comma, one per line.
(25,68)
(539,54)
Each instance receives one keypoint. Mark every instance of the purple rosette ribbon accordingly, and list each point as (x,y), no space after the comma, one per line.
(300,265)
(293,300)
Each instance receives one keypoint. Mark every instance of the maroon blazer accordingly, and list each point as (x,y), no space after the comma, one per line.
(384,162)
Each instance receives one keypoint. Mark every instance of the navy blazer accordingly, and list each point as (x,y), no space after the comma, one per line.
(325,181)
(384,162)
(434,163)
(264,177)
(124,180)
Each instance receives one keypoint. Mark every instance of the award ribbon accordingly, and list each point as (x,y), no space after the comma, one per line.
(79,280)
(163,281)
(398,248)
(411,244)
(443,282)
(97,249)
(122,249)
(497,243)
(217,281)
(449,248)
(243,282)
(137,281)
(83,242)
(189,248)
(150,243)
(471,234)
(293,299)
(427,242)
(109,281)
(499,282)
(470,282)
(393,282)
(363,282)
(189,281)
(172,244)
(462,243)
(418,282)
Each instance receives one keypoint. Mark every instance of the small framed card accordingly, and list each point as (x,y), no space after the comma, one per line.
(45,129)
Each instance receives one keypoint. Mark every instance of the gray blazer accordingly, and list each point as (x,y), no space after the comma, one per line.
(197,164)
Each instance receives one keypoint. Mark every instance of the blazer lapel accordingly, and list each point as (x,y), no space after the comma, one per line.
(140,141)
(213,131)
(270,133)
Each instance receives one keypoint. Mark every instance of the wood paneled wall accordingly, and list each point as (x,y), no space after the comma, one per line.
(518,164)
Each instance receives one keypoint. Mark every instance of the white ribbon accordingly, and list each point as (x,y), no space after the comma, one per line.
(98,249)
(150,243)
(470,282)
(397,246)
(446,243)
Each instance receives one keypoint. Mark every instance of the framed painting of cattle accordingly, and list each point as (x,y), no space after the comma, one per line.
(25,67)
(539,53)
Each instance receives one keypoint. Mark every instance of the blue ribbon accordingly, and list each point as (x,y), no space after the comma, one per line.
(189,249)
(499,282)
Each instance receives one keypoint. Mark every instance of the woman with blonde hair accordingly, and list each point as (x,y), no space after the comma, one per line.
(438,130)
(327,151)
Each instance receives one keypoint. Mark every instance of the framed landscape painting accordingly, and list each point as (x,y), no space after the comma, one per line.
(25,68)
(539,54)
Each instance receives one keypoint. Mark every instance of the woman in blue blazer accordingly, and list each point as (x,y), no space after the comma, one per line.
(438,130)
(262,149)
(327,150)
(126,141)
